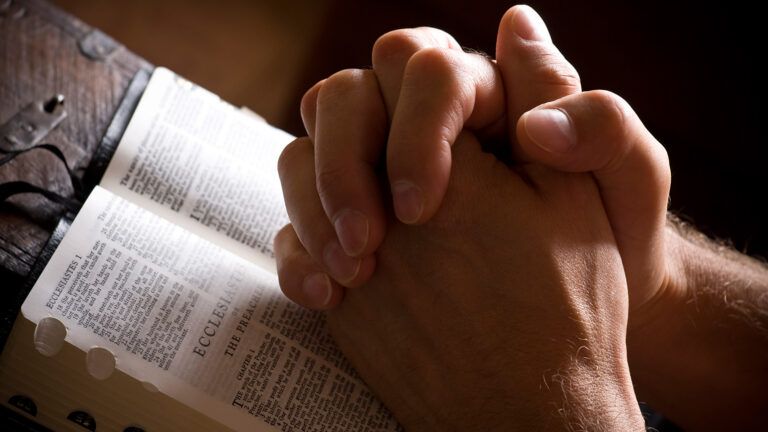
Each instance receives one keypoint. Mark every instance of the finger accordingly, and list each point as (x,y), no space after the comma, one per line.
(392,51)
(533,69)
(297,174)
(350,134)
(598,131)
(309,109)
(442,92)
(301,278)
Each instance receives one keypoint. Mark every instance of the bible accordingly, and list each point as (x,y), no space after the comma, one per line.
(160,308)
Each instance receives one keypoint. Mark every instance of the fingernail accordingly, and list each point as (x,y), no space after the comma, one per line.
(529,25)
(343,267)
(409,201)
(352,229)
(550,129)
(317,289)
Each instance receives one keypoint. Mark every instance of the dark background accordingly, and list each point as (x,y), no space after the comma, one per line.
(688,69)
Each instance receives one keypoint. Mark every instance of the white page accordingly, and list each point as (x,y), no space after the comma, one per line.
(203,164)
(203,325)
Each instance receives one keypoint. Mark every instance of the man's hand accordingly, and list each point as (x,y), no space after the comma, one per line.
(508,317)
(697,339)
(429,90)
(347,119)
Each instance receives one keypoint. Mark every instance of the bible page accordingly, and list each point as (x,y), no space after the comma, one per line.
(198,323)
(209,167)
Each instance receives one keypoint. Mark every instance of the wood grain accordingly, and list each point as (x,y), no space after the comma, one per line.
(39,57)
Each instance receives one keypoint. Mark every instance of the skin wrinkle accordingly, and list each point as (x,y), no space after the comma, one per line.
(497,127)
(553,72)
(467,88)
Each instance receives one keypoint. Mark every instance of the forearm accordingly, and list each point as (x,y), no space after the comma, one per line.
(699,353)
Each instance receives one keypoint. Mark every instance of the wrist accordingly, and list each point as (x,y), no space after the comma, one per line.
(697,350)
(601,398)
(671,294)
(658,324)
(657,329)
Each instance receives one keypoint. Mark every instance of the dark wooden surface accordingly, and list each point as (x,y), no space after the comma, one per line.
(44,51)
(40,56)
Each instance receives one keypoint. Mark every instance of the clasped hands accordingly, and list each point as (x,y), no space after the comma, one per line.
(480,231)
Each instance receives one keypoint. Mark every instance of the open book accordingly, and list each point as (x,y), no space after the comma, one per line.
(160,309)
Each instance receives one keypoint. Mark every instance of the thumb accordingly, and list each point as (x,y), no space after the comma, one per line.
(598,132)
(533,69)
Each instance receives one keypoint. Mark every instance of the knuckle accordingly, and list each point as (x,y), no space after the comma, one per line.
(340,85)
(394,44)
(612,112)
(435,37)
(399,45)
(663,169)
(287,291)
(331,179)
(290,155)
(282,238)
(352,91)
(433,61)
(612,104)
(309,100)
(286,263)
(442,68)
(286,275)
(291,260)
(627,133)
